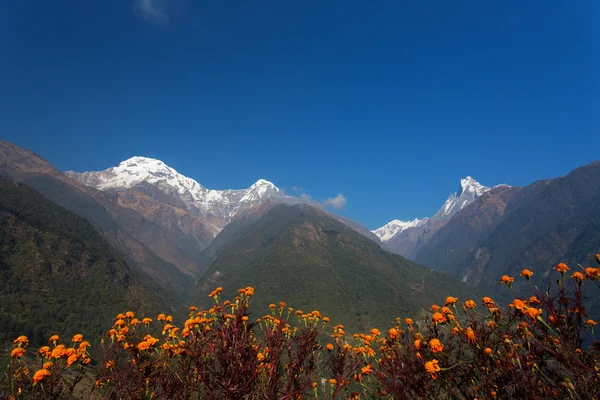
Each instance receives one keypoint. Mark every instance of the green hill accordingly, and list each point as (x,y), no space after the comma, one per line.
(301,255)
(58,275)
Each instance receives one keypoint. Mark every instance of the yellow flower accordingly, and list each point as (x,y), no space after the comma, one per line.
(40,374)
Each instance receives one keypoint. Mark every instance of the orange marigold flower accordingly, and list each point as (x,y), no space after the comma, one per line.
(417,345)
(47,365)
(393,333)
(434,307)
(44,351)
(408,321)
(592,273)
(272,306)
(21,341)
(77,338)
(161,317)
(533,300)
(488,351)
(72,358)
(450,301)
(591,322)
(193,308)
(325,319)
(17,353)
(506,280)
(169,318)
(129,314)
(438,317)
(40,374)
(146,321)
(329,346)
(446,310)
(332,382)
(260,356)
(143,346)
(488,302)
(375,332)
(432,367)
(59,351)
(109,364)
(53,338)
(435,345)
(562,268)
(534,313)
(526,274)
(470,335)
(518,304)
(578,276)
(469,304)
(134,322)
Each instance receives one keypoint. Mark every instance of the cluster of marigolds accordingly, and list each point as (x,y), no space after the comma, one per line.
(542,346)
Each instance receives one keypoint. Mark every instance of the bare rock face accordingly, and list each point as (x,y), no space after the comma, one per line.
(408,237)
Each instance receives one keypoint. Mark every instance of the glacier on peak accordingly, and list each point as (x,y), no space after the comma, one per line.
(396,226)
(219,205)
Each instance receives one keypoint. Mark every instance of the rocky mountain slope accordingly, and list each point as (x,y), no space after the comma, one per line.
(508,229)
(407,237)
(141,240)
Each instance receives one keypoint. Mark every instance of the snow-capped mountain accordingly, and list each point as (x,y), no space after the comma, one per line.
(218,207)
(406,237)
(396,226)
(467,192)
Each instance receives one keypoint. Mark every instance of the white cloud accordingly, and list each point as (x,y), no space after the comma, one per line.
(336,202)
(152,10)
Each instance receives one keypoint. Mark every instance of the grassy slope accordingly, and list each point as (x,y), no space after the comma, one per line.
(58,275)
(300,255)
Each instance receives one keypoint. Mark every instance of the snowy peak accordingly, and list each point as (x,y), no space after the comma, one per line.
(216,205)
(396,226)
(469,184)
(468,191)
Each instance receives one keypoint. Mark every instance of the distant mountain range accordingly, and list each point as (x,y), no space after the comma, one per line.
(407,237)
(179,240)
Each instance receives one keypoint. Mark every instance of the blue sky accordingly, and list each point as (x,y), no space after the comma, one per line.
(389,102)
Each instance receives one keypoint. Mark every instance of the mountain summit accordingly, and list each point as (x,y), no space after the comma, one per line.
(407,237)
(218,207)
